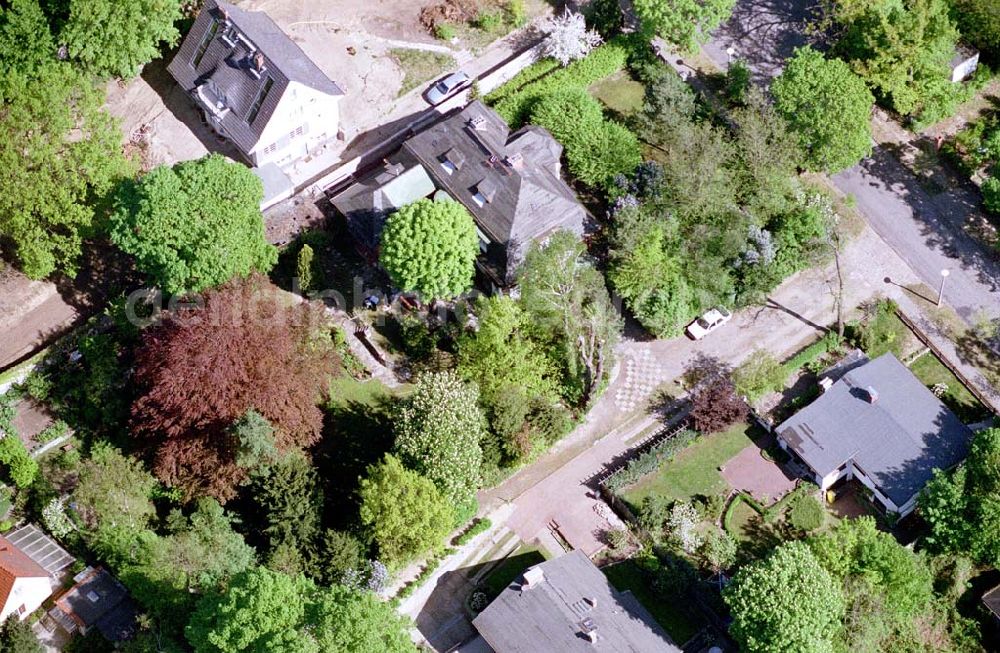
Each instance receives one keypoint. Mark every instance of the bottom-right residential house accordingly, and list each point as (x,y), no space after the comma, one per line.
(878,424)
(567,605)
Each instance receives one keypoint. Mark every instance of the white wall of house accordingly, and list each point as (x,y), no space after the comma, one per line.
(26,596)
(303,119)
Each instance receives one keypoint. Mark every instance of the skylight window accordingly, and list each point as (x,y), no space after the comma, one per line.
(259,100)
(205,40)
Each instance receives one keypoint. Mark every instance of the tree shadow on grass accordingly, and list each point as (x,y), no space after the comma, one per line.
(355,435)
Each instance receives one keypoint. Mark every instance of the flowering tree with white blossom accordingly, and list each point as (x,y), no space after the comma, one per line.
(568,37)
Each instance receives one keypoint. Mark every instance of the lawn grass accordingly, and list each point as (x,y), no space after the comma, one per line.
(510,569)
(741,521)
(346,390)
(957,397)
(420,66)
(695,470)
(619,93)
(628,576)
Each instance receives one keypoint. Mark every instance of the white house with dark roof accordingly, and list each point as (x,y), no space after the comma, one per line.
(508,180)
(255,86)
(879,425)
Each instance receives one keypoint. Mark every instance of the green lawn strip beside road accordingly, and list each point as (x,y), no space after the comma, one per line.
(696,469)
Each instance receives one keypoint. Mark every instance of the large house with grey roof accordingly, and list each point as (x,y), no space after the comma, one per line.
(878,424)
(255,86)
(508,180)
(567,605)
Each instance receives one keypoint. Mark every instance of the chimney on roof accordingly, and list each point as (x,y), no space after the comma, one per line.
(533,577)
(258,62)
(872,395)
(592,602)
(515,160)
(478,123)
(225,14)
(591,635)
(825,383)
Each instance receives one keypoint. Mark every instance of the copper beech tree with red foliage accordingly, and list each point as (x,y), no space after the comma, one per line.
(716,405)
(249,347)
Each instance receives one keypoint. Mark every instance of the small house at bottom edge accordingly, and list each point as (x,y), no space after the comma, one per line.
(509,181)
(567,605)
(879,425)
(255,86)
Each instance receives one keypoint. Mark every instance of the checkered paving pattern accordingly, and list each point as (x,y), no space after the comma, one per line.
(641,376)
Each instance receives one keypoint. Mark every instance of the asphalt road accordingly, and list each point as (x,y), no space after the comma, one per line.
(921,228)
(763,33)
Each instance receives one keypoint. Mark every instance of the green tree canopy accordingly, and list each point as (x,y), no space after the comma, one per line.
(596,149)
(430,247)
(194,225)
(962,507)
(402,512)
(349,621)
(290,501)
(979,22)
(503,354)
(112,497)
(26,42)
(259,611)
(828,106)
(61,154)
(263,611)
(787,602)
(16,636)
(685,23)
(566,296)
(902,50)
(116,38)
(438,433)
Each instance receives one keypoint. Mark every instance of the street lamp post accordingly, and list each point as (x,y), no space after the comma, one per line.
(731,51)
(944,275)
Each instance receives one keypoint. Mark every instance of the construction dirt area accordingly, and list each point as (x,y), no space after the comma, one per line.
(359,45)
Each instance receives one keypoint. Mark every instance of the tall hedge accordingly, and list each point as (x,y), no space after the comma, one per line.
(532,84)
(596,149)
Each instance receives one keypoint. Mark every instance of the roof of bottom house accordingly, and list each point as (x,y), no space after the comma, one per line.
(884,420)
(15,564)
(99,600)
(569,606)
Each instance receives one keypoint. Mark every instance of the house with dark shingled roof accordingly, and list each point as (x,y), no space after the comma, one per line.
(255,86)
(508,180)
(876,423)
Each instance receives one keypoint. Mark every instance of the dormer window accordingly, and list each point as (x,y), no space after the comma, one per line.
(483,192)
(451,161)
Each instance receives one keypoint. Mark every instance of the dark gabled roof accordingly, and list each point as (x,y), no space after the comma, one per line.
(517,174)
(897,441)
(555,614)
(227,67)
(991,600)
(97,598)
